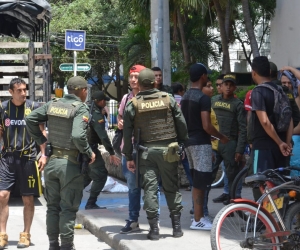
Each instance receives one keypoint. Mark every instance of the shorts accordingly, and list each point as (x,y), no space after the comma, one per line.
(200,160)
(264,159)
(20,173)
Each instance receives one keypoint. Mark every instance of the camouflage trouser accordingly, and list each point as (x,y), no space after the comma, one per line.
(150,169)
(63,192)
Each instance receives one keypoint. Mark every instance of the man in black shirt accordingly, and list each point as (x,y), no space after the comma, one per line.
(196,108)
(18,163)
(270,147)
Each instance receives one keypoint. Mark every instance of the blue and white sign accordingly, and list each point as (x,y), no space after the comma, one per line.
(75,40)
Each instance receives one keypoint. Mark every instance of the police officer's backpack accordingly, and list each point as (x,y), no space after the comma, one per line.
(282,110)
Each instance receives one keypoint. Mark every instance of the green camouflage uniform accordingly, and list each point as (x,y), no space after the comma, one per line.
(97,170)
(152,163)
(63,178)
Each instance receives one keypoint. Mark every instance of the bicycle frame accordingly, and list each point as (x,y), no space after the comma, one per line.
(259,204)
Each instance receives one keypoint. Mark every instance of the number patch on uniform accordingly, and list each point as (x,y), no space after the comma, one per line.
(31,182)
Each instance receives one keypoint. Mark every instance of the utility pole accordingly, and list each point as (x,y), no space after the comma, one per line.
(166,48)
(160,38)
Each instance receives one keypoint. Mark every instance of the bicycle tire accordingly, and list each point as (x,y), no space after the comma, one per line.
(219,181)
(239,177)
(235,236)
(292,216)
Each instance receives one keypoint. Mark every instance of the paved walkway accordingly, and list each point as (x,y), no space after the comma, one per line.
(106,224)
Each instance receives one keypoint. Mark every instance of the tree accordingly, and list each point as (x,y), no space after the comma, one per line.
(249,28)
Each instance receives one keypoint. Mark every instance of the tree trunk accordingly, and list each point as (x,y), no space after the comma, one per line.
(227,19)
(185,50)
(224,41)
(249,28)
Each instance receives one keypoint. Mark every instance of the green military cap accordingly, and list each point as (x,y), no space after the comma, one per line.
(99,95)
(146,77)
(230,78)
(76,82)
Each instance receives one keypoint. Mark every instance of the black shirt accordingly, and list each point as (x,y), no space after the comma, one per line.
(193,103)
(262,99)
(15,135)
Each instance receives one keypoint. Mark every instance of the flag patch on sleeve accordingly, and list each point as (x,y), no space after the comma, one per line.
(85,118)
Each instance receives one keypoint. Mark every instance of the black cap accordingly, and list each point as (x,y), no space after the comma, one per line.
(99,96)
(196,71)
(230,77)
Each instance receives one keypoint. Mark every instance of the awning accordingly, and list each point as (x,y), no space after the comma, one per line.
(26,16)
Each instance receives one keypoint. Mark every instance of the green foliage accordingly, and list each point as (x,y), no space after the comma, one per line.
(241,92)
(135,47)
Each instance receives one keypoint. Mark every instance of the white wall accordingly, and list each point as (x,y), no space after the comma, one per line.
(285,34)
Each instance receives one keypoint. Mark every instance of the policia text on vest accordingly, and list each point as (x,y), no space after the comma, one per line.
(55,109)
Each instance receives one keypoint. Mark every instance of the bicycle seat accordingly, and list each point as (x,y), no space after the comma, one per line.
(255,178)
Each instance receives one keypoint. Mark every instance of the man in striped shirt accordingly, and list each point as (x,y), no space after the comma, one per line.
(18,162)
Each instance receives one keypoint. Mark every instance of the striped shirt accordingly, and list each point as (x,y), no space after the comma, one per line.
(15,135)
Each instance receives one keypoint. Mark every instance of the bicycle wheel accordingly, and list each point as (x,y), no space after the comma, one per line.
(230,231)
(237,185)
(292,216)
(218,182)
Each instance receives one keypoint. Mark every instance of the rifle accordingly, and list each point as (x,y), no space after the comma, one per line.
(137,148)
(83,158)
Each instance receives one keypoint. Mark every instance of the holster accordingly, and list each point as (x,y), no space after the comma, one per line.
(172,152)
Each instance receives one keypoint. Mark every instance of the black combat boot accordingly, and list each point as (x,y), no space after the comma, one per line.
(177,232)
(154,230)
(91,204)
(54,245)
(68,246)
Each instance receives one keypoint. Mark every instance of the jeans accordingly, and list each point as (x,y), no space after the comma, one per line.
(134,193)
(226,188)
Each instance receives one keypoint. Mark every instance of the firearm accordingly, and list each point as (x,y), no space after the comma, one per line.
(83,158)
(137,148)
(48,150)
(84,162)
(181,152)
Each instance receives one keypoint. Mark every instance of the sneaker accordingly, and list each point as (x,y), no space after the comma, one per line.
(24,240)
(227,202)
(131,226)
(93,206)
(209,218)
(3,240)
(202,224)
(221,198)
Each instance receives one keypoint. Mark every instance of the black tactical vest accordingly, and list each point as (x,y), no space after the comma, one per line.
(153,115)
(60,123)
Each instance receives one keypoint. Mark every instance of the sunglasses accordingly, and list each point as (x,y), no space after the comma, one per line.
(218,84)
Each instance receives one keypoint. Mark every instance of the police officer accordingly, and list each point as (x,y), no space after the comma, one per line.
(67,125)
(162,126)
(98,135)
(231,117)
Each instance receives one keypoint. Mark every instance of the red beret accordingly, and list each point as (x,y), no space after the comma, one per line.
(136,68)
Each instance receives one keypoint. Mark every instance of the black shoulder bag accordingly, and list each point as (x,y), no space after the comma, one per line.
(117,140)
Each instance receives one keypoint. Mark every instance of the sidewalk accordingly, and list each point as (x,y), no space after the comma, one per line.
(106,223)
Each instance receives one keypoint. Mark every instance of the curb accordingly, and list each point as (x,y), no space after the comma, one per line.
(112,239)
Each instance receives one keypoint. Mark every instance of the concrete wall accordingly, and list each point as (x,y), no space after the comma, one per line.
(285,34)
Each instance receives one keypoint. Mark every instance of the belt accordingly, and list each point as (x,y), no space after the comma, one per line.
(62,152)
